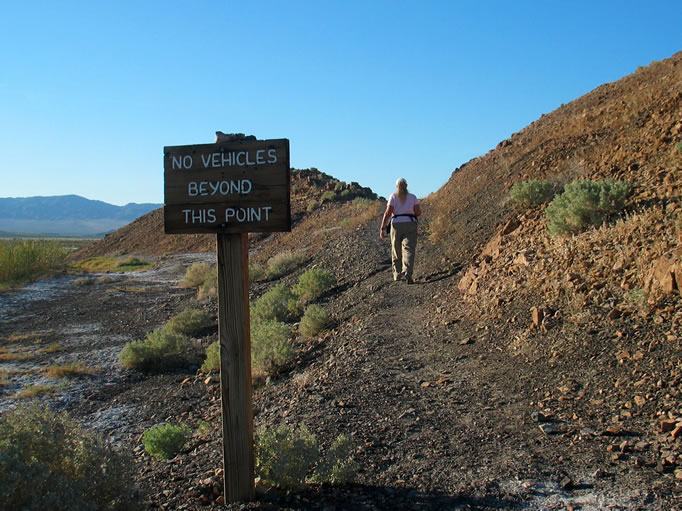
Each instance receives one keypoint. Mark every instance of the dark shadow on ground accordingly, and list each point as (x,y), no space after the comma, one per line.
(361,497)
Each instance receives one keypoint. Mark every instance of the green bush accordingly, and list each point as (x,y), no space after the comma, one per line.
(270,346)
(679,147)
(313,283)
(160,350)
(197,274)
(314,320)
(328,196)
(166,440)
(288,457)
(48,461)
(28,259)
(283,263)
(312,205)
(528,194)
(256,272)
(212,361)
(338,466)
(276,304)
(585,203)
(285,456)
(190,322)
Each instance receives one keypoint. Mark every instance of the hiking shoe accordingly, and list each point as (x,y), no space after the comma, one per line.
(409,280)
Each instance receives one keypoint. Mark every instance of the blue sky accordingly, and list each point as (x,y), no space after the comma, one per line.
(91,92)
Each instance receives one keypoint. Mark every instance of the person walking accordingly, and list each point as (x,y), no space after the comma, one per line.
(402,212)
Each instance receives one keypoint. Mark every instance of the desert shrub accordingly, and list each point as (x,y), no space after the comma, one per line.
(328,196)
(528,194)
(283,263)
(160,349)
(285,456)
(312,205)
(314,320)
(585,203)
(29,259)
(288,457)
(270,346)
(190,322)
(679,147)
(313,283)
(338,466)
(209,289)
(256,272)
(166,440)
(212,360)
(276,304)
(197,274)
(48,461)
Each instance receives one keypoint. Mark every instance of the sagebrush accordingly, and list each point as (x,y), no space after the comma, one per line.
(277,304)
(290,457)
(531,193)
(48,461)
(271,347)
(585,203)
(190,322)
(165,440)
(314,320)
(283,263)
(313,283)
(159,350)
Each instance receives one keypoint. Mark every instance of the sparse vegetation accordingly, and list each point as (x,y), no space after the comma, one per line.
(312,205)
(314,320)
(328,196)
(277,304)
(283,264)
(197,274)
(256,272)
(48,461)
(25,260)
(288,457)
(30,391)
(190,322)
(585,203)
(105,264)
(532,193)
(74,369)
(365,210)
(270,346)
(679,147)
(159,350)
(14,356)
(312,284)
(338,466)
(285,456)
(166,440)
(212,360)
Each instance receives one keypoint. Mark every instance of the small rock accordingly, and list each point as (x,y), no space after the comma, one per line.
(566,483)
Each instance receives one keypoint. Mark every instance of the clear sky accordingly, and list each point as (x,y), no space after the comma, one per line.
(367,91)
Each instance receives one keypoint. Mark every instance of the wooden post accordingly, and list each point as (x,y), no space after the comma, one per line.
(235,366)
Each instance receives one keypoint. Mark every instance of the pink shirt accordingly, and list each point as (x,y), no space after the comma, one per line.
(406,208)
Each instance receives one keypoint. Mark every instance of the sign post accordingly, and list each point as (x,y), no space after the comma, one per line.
(231,188)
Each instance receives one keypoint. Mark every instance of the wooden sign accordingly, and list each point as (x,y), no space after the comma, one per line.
(227,187)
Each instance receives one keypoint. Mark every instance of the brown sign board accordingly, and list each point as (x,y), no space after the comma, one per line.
(227,187)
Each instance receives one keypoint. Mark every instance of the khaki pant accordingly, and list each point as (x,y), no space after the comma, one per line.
(403,245)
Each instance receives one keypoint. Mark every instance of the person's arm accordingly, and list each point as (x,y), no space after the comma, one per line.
(417,210)
(384,221)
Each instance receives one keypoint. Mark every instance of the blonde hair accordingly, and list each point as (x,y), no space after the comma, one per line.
(401,184)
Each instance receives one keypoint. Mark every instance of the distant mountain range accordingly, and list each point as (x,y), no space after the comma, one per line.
(66,215)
